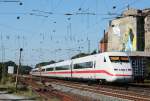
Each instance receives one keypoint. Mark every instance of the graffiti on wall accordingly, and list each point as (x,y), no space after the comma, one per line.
(130,43)
(127,37)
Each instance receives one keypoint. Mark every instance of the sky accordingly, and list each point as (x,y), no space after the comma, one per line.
(56,29)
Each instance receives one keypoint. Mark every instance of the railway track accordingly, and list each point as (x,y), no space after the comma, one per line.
(133,93)
(111,92)
(136,94)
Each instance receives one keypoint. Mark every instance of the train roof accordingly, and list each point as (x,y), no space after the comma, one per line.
(86,58)
(35,69)
(66,62)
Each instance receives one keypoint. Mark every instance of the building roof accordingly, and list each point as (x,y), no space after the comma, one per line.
(132,12)
(146,11)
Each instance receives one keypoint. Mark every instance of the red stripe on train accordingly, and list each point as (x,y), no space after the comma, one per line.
(88,71)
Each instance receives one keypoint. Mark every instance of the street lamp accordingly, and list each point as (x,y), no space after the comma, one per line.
(21,49)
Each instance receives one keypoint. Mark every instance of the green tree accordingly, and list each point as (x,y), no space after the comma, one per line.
(4,69)
(25,70)
(94,52)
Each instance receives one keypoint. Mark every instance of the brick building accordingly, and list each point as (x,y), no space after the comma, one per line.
(103,43)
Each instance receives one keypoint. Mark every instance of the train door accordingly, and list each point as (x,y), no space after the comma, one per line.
(71,65)
(102,66)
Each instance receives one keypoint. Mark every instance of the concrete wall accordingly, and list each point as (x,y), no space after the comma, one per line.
(119,34)
(147,33)
(126,34)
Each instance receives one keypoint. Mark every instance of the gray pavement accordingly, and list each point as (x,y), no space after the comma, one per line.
(4,96)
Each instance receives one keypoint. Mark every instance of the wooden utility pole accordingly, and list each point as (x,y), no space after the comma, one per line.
(16,83)
(3,56)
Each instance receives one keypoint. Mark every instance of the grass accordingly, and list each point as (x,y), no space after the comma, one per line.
(146,81)
(10,88)
(25,91)
(22,90)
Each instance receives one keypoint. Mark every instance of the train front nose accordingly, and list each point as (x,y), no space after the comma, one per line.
(123,73)
(122,68)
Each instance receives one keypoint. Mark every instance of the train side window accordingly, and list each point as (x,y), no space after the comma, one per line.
(65,67)
(104,59)
(83,65)
(49,69)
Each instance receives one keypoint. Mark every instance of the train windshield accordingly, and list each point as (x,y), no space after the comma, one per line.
(119,58)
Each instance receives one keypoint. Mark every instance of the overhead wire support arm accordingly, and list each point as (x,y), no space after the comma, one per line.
(86,13)
(38,15)
(68,14)
(40,11)
(9,0)
(12,1)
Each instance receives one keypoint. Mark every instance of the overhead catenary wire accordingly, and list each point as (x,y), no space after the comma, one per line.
(81,11)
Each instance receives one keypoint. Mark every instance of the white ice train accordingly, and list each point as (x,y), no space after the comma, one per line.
(107,66)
